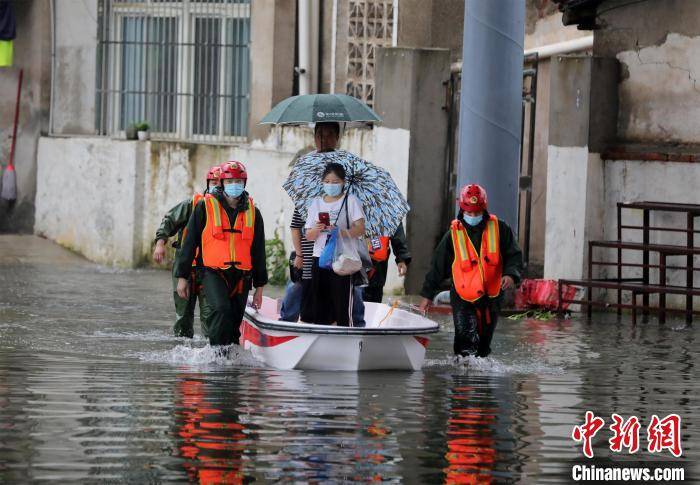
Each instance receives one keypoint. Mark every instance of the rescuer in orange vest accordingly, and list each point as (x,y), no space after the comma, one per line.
(374,291)
(174,222)
(229,232)
(482,256)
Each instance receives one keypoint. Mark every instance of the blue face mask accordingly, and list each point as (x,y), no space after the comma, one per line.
(234,190)
(472,220)
(333,190)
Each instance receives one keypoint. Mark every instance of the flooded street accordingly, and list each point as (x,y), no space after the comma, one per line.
(93,388)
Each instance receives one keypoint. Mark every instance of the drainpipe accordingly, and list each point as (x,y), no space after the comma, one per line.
(490,109)
(52,7)
(308,13)
(334,32)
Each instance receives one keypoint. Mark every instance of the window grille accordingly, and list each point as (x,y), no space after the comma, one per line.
(182,66)
(372,24)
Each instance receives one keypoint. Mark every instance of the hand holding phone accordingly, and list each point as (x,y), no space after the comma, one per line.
(324,218)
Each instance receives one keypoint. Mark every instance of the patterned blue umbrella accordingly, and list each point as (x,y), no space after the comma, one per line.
(383,203)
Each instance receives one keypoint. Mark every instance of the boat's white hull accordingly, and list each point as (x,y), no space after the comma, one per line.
(284,345)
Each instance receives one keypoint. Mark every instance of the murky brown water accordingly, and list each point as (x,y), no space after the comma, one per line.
(93,388)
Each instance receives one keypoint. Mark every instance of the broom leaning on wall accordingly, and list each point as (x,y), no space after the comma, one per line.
(9,177)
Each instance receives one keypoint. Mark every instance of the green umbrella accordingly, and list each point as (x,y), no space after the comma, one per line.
(312,108)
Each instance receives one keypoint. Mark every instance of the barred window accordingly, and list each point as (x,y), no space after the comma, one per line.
(182,66)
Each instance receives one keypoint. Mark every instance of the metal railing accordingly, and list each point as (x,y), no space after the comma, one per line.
(182,66)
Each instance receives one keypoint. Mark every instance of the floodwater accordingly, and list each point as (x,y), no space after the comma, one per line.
(93,388)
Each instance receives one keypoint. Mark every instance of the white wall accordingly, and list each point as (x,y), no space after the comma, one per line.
(86,196)
(574,210)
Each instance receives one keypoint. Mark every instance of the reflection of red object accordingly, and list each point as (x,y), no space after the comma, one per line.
(543,294)
(471,447)
(422,340)
(211,446)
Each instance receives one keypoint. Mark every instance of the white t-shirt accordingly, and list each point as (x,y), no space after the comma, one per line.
(354,211)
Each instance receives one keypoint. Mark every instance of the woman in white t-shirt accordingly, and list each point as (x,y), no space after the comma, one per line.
(329,300)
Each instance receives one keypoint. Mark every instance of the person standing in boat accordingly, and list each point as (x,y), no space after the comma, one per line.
(482,255)
(230,233)
(174,222)
(326,137)
(329,300)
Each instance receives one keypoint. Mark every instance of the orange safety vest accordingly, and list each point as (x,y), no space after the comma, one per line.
(381,254)
(477,274)
(223,247)
(195,199)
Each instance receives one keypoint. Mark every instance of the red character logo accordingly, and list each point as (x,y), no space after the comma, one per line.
(665,434)
(626,434)
(587,431)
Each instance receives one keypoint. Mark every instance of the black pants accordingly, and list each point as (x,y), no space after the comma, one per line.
(373,293)
(474,326)
(328,299)
(227,307)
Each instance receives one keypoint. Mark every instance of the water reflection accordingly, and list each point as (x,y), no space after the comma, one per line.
(471,452)
(94,388)
(211,446)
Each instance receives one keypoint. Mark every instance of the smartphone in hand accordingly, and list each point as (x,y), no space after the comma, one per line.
(324,218)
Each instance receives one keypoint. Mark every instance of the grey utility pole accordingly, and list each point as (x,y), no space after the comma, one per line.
(491,97)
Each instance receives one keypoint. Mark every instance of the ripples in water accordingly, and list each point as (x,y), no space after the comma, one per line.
(94,388)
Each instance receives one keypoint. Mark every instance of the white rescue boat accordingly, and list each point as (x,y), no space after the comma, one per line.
(393,339)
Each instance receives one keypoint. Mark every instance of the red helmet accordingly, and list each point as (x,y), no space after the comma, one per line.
(214,173)
(473,198)
(233,170)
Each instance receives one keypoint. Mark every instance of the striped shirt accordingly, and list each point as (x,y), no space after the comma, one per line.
(307,247)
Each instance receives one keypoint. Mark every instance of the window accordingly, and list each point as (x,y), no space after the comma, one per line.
(182,66)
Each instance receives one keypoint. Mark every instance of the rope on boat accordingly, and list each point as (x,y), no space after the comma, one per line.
(391,310)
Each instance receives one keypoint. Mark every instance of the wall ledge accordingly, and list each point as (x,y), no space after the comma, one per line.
(684,153)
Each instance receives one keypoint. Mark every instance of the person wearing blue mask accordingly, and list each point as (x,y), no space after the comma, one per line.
(329,300)
(482,256)
(226,236)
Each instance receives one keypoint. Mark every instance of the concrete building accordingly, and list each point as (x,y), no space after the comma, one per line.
(623,127)
(109,64)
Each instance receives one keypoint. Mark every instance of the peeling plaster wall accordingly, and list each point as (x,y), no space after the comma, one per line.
(114,221)
(657,44)
(660,94)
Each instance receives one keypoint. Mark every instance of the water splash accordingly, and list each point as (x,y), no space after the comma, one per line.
(148,336)
(232,355)
(493,366)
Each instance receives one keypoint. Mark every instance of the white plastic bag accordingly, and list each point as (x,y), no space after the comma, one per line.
(346,260)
